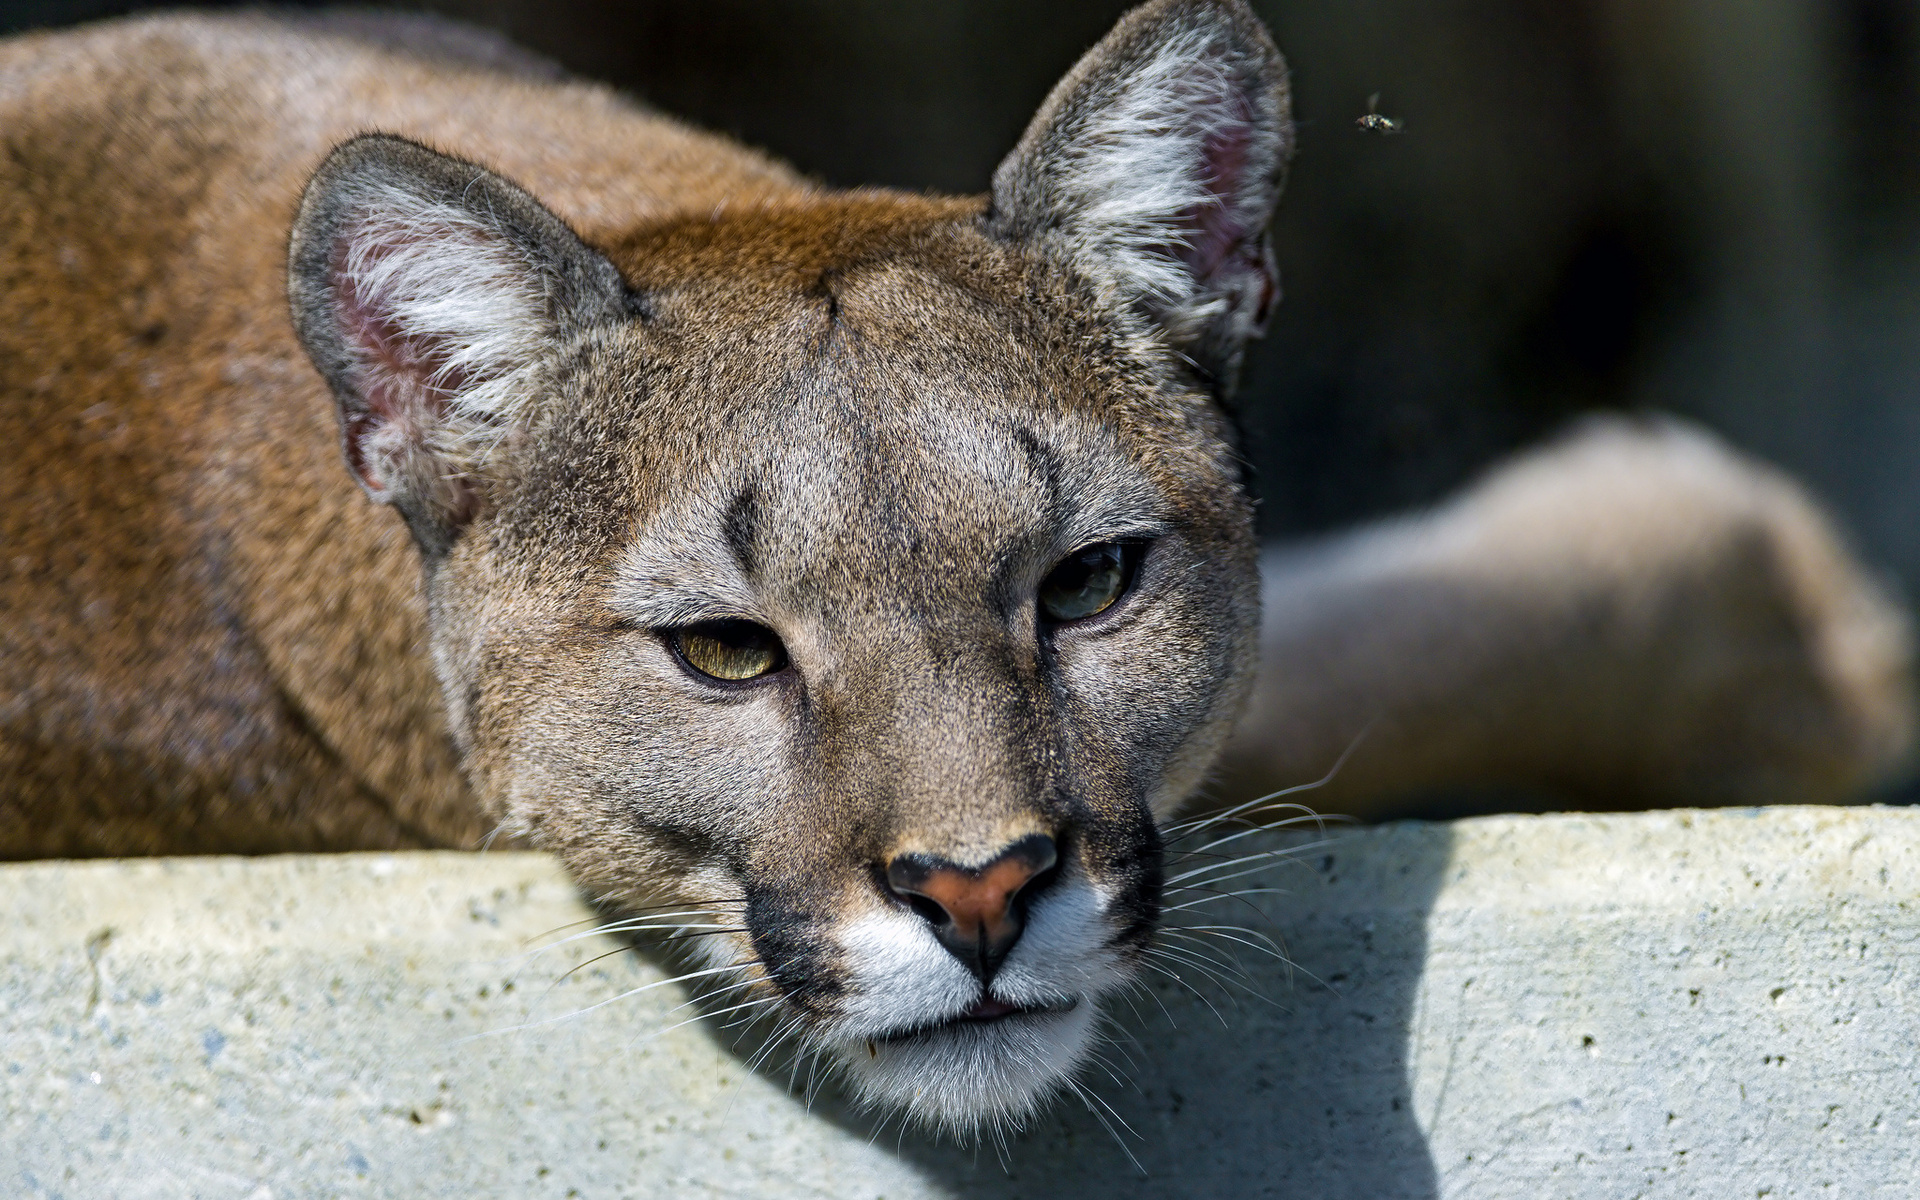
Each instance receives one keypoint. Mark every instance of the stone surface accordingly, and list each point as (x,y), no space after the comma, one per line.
(1660,1005)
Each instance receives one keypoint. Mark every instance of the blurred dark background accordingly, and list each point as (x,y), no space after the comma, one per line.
(1704,206)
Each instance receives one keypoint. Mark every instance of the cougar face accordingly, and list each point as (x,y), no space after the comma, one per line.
(931,802)
(867,576)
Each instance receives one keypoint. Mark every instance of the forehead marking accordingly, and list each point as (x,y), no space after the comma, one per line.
(877,510)
(1044,462)
(741,527)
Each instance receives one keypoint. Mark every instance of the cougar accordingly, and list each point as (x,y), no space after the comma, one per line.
(871,572)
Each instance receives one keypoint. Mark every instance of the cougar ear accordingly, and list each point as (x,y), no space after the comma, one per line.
(427,291)
(1155,166)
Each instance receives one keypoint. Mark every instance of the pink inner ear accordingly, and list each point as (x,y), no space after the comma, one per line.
(1220,244)
(1221,240)
(403,383)
(1216,231)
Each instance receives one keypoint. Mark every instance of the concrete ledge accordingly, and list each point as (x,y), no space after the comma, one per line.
(1675,1004)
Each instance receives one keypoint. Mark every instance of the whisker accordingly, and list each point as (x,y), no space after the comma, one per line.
(1087,1098)
(813,1075)
(1209,851)
(1212,971)
(708,997)
(641,925)
(1228,872)
(558,928)
(625,911)
(1206,849)
(1001,1150)
(1324,780)
(1247,868)
(583,965)
(716,931)
(1244,983)
(1212,895)
(793,1076)
(1164,1010)
(1254,941)
(664,934)
(1117,1034)
(701,1016)
(1182,830)
(615,927)
(621,909)
(1255,814)
(1198,956)
(1131,1076)
(1098,1060)
(786,1026)
(1221,972)
(1199,947)
(1115,1114)
(645,987)
(1260,856)
(650,921)
(1183,983)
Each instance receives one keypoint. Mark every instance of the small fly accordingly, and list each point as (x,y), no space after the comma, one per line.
(1373,122)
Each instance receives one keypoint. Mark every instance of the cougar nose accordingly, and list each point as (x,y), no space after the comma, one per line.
(976,912)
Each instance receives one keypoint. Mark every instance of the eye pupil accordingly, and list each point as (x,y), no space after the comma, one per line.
(1087,583)
(729,650)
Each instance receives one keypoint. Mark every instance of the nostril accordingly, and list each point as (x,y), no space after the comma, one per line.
(976,912)
(906,879)
(1034,886)
(926,906)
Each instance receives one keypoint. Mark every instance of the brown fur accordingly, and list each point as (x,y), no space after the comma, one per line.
(1633,616)
(216,649)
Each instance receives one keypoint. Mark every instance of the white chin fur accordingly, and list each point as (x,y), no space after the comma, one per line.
(967,1076)
(957,1076)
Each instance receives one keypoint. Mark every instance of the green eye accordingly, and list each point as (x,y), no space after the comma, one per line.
(1088,582)
(731,651)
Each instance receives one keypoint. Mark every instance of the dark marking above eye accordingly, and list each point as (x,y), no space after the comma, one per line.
(741,527)
(638,305)
(1044,460)
(824,287)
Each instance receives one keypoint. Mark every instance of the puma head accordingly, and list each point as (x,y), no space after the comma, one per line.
(868,574)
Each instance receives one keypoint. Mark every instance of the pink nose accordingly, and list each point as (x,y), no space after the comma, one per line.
(977,913)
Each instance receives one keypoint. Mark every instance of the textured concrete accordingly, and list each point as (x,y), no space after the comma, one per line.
(1662,1005)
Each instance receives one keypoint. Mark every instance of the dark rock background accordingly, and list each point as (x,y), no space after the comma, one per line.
(1705,206)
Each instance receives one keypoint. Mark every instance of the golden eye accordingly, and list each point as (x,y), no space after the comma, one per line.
(732,651)
(1088,582)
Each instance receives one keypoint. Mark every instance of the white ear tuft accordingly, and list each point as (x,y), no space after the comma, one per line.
(440,316)
(1135,177)
(1155,166)
(429,292)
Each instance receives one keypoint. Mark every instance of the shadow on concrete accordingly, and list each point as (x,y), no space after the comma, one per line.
(1305,1093)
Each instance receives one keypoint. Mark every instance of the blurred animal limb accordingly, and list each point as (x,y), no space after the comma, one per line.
(1633,616)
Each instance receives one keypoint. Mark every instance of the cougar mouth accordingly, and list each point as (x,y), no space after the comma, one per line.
(987,1010)
(989,1067)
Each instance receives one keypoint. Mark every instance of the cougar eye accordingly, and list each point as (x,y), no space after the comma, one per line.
(1089,581)
(731,651)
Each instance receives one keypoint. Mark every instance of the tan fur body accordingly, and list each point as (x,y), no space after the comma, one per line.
(1634,616)
(216,642)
